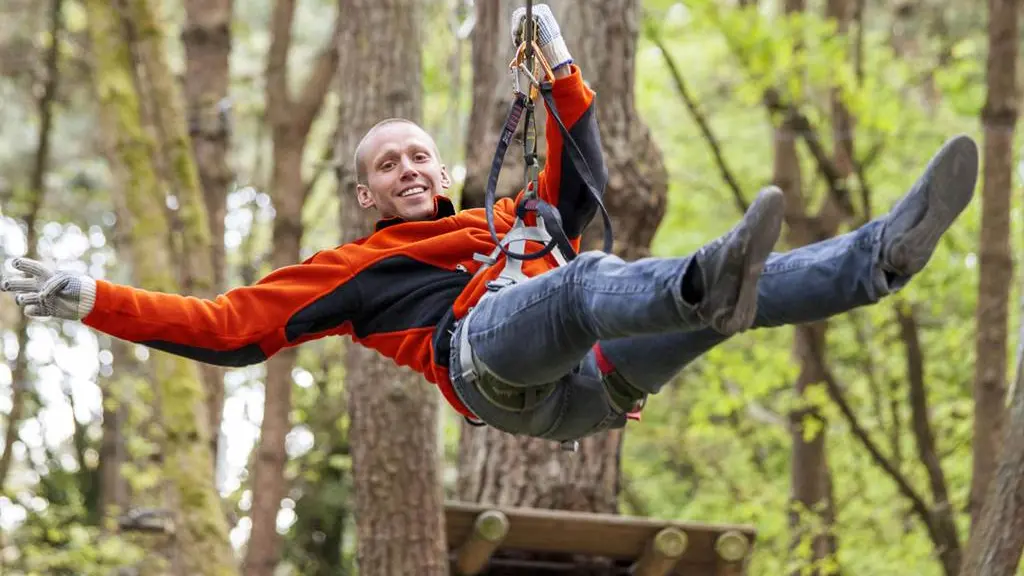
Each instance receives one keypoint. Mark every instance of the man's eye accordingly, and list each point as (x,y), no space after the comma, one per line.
(421,157)
(387,165)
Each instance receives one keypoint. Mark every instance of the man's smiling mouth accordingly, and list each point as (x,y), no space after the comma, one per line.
(412,191)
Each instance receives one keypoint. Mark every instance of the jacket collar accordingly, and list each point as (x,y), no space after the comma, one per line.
(443,207)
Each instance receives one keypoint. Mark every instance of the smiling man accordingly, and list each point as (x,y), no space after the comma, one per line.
(399,171)
(564,351)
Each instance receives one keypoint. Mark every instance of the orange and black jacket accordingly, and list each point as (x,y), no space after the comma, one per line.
(395,291)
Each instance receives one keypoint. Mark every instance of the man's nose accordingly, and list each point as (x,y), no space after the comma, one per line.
(409,168)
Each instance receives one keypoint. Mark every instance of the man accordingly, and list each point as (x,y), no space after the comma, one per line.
(561,355)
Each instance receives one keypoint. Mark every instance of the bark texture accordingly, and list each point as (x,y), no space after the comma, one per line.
(997,537)
(123,36)
(495,467)
(393,411)
(207,40)
(999,117)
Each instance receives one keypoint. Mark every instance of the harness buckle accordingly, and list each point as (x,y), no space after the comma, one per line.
(485,258)
(499,283)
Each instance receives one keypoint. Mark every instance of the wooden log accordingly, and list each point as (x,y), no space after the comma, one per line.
(489,529)
(662,554)
(732,548)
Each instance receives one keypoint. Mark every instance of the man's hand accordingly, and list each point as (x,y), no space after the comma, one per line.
(549,36)
(42,292)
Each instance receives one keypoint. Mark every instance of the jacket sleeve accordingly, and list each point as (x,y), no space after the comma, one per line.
(560,183)
(243,326)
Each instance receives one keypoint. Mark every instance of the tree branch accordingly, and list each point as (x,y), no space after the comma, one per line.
(319,82)
(326,162)
(835,392)
(802,125)
(701,120)
(278,101)
(943,511)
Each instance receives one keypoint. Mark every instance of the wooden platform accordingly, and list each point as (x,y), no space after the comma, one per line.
(491,541)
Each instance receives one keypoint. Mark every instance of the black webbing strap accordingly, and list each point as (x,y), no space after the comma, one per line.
(580,163)
(549,214)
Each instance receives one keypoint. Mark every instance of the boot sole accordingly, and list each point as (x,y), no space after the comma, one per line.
(763,224)
(952,176)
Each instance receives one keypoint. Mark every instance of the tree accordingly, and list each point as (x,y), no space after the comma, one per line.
(495,467)
(999,117)
(136,91)
(19,377)
(206,37)
(393,411)
(997,534)
(290,118)
(812,511)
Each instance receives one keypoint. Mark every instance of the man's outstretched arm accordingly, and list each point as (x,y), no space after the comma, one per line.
(560,183)
(243,326)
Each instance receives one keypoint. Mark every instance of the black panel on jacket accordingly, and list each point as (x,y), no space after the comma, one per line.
(401,293)
(392,295)
(244,356)
(575,203)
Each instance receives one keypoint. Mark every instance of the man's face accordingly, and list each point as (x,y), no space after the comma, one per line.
(403,172)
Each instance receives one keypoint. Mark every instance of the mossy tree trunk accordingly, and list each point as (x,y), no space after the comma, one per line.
(125,36)
(207,40)
(393,411)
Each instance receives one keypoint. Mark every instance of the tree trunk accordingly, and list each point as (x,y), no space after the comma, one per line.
(114,495)
(200,544)
(207,40)
(492,96)
(393,411)
(998,534)
(495,467)
(999,117)
(19,376)
(811,506)
(290,120)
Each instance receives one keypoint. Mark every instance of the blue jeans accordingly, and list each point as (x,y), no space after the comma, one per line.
(543,331)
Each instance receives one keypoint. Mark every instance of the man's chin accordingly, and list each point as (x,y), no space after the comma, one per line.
(419,212)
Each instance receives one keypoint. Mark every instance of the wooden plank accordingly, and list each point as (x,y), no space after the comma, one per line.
(612,536)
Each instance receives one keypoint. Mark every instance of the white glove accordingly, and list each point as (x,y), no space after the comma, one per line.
(549,34)
(42,292)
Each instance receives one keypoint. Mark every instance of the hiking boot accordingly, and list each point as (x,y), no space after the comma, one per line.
(915,225)
(730,266)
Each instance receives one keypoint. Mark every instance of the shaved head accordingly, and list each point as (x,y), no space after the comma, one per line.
(363,148)
(399,171)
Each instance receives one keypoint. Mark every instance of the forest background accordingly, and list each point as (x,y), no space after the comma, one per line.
(195,146)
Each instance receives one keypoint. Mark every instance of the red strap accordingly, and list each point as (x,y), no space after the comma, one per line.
(603,363)
(606,367)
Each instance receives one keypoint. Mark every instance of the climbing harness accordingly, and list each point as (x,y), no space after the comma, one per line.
(529,61)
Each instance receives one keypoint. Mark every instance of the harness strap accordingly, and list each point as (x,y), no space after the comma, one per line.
(545,211)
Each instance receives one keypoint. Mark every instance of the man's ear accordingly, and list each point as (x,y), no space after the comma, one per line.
(446,181)
(364,196)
